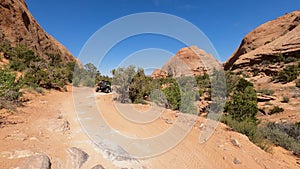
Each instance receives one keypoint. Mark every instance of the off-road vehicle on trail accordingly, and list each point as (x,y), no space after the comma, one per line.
(104,86)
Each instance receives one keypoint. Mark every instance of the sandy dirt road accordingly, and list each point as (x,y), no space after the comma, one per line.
(40,128)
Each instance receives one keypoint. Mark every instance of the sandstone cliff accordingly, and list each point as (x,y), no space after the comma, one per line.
(18,26)
(277,37)
(188,61)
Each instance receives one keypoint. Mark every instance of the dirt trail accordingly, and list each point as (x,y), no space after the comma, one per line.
(41,128)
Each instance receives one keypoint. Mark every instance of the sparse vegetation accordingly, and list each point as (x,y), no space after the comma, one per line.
(275,109)
(285,99)
(285,135)
(266,92)
(288,74)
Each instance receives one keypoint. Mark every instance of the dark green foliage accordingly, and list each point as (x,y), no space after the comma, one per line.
(9,89)
(288,74)
(9,85)
(52,75)
(181,93)
(21,58)
(173,96)
(276,109)
(140,87)
(243,103)
(70,66)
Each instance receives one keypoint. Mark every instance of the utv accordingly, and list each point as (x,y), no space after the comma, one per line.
(104,86)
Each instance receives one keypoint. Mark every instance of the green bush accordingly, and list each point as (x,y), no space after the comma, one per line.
(9,89)
(276,109)
(288,74)
(173,96)
(22,57)
(285,99)
(140,87)
(243,103)
(9,85)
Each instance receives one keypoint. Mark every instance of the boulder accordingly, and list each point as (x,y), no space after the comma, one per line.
(36,162)
(78,157)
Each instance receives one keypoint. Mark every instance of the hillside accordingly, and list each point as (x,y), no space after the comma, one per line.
(188,61)
(277,37)
(18,26)
(269,57)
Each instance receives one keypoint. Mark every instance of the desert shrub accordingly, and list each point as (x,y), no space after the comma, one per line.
(70,66)
(276,109)
(88,82)
(9,89)
(285,99)
(9,85)
(288,74)
(140,86)
(21,57)
(243,103)
(285,135)
(88,75)
(266,92)
(76,82)
(279,58)
(290,59)
(122,78)
(173,96)
(247,127)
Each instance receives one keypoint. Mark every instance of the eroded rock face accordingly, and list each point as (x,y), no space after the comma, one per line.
(188,61)
(279,36)
(17,25)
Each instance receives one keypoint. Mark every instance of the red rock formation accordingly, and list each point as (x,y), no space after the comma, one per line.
(281,35)
(187,62)
(17,25)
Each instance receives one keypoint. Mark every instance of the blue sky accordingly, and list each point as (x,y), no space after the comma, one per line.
(224,22)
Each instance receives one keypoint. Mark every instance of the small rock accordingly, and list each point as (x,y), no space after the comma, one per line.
(236,143)
(236,161)
(36,162)
(168,121)
(224,158)
(98,167)
(78,156)
(58,125)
